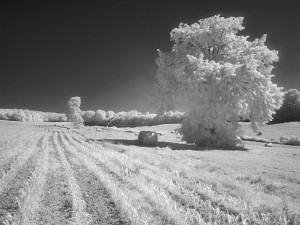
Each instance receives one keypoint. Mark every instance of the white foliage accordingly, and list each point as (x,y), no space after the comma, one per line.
(215,76)
(74,112)
(110,114)
(31,116)
(88,116)
(100,116)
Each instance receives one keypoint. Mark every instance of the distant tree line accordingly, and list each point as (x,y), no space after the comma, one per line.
(289,111)
(25,115)
(100,117)
(132,118)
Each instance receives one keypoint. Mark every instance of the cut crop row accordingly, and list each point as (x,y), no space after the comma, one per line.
(15,185)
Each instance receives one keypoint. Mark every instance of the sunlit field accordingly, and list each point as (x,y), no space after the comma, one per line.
(51,173)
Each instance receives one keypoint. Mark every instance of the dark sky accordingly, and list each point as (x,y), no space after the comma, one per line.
(105,51)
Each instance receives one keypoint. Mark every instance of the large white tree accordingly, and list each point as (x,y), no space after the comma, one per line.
(74,112)
(216,76)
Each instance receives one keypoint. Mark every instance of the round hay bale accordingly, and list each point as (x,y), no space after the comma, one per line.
(268,144)
(148,138)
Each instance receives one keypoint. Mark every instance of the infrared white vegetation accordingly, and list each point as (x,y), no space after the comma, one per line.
(74,112)
(216,77)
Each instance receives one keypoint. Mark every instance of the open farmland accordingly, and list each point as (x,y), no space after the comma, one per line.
(51,174)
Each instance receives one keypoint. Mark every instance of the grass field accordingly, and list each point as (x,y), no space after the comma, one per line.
(51,174)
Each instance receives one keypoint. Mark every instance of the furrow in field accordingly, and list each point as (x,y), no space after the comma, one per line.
(15,184)
(55,205)
(164,177)
(80,216)
(10,134)
(138,208)
(173,212)
(99,203)
(195,196)
(139,172)
(30,204)
(12,148)
(12,168)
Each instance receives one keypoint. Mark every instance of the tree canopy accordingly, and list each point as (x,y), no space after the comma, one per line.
(74,112)
(215,75)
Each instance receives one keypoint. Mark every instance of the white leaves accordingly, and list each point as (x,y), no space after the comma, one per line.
(217,74)
(75,101)
(74,112)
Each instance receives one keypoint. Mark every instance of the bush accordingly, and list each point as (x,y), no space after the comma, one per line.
(17,117)
(292,141)
(3,117)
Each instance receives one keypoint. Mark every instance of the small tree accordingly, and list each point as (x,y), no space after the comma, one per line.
(74,112)
(215,76)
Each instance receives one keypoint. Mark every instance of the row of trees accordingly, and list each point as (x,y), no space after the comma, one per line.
(288,112)
(25,115)
(132,118)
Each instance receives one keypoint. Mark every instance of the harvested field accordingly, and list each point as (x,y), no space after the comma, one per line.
(50,174)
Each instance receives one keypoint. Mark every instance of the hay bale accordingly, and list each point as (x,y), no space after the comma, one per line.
(149,138)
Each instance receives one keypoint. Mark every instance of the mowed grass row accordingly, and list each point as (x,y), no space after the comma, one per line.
(41,188)
(99,205)
(173,212)
(12,144)
(213,207)
(13,165)
(55,206)
(61,177)
(80,217)
(32,190)
(19,183)
(267,178)
(195,195)
(228,194)
(121,194)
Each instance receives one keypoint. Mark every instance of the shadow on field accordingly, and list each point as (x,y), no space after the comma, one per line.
(171,145)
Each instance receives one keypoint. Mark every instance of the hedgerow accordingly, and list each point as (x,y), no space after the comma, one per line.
(25,115)
(132,118)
